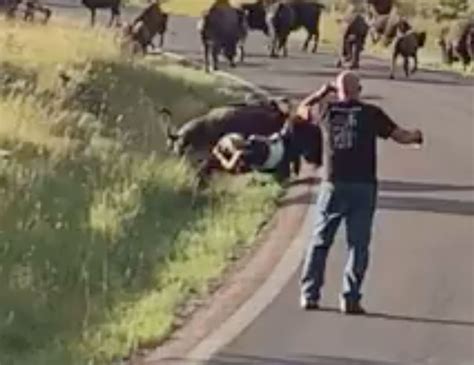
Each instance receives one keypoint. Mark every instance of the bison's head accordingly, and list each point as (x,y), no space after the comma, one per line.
(282,105)
(421,39)
(255,14)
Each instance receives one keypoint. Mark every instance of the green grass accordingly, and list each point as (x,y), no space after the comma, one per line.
(100,246)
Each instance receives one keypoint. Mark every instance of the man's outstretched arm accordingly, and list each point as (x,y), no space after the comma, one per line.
(404,136)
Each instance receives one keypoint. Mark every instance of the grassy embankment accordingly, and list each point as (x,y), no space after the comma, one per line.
(430,55)
(99,244)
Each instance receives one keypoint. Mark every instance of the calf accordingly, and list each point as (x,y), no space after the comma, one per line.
(152,21)
(407,46)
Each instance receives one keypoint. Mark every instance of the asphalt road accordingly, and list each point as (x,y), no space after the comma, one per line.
(420,288)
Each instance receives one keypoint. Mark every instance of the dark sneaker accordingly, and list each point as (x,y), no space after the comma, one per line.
(308,304)
(351,307)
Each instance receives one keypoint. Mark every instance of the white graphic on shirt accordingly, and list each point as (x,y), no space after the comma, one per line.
(343,130)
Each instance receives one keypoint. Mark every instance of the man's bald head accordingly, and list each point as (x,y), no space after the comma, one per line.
(348,86)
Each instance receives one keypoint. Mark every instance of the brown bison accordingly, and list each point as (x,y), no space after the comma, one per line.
(457,42)
(353,40)
(113,5)
(29,9)
(152,21)
(278,19)
(387,27)
(381,7)
(407,46)
(223,29)
(200,134)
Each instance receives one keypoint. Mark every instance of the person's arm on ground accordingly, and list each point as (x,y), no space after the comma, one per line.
(227,163)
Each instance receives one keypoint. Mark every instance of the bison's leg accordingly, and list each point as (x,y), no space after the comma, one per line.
(114,15)
(162,40)
(93,11)
(355,54)
(283,45)
(315,41)
(415,63)
(215,50)
(47,15)
(241,52)
(394,63)
(406,66)
(274,47)
(206,56)
(306,42)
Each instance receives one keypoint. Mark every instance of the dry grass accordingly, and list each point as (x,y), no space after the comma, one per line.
(99,244)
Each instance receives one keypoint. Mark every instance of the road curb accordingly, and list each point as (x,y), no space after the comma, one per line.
(260,300)
(247,84)
(272,263)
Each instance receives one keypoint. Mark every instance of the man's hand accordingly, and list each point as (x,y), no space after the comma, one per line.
(304,109)
(404,136)
(417,137)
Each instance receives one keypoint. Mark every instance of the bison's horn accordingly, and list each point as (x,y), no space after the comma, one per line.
(164,119)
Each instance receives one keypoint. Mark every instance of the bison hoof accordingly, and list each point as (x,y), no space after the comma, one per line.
(392,77)
(339,64)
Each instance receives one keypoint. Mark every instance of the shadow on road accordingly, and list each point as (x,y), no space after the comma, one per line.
(244,359)
(411,203)
(404,318)
(379,72)
(431,205)
(391,185)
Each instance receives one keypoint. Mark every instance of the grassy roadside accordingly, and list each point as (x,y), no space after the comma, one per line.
(100,246)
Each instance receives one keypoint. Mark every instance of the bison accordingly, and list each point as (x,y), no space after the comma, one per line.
(353,40)
(407,46)
(113,5)
(222,29)
(457,42)
(281,18)
(381,7)
(29,8)
(255,16)
(278,19)
(151,21)
(387,27)
(200,134)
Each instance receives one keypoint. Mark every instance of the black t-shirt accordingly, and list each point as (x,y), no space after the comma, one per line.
(350,130)
(256,151)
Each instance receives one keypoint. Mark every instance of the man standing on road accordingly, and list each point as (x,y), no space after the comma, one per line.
(348,190)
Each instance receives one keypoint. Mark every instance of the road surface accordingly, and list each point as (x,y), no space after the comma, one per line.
(420,287)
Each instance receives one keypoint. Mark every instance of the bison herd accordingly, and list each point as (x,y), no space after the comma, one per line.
(223,29)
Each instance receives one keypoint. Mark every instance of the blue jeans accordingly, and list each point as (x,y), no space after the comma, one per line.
(355,203)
